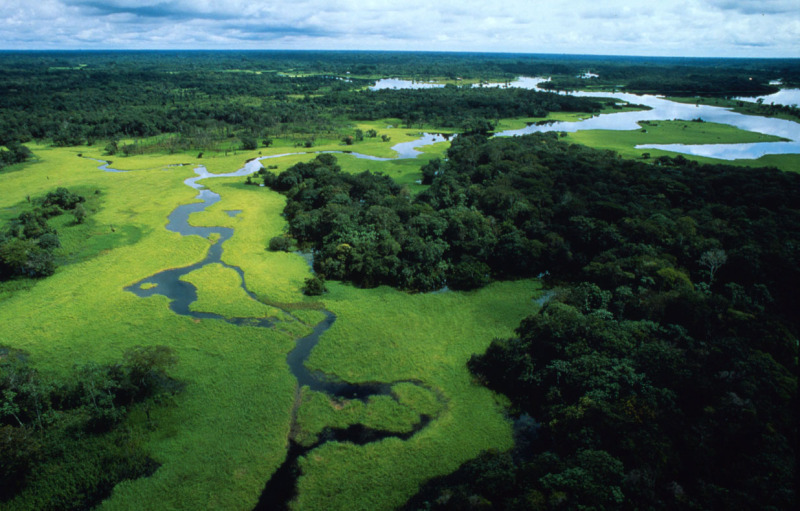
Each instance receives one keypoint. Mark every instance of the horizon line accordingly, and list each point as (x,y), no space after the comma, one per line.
(285,50)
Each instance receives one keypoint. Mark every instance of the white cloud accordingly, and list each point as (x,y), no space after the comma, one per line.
(758,7)
(765,28)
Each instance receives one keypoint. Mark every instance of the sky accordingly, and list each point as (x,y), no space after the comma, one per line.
(691,28)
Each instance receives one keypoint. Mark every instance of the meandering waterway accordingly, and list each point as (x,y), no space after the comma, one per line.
(661,109)
(280,489)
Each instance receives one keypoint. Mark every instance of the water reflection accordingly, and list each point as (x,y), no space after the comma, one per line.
(663,109)
(522,82)
(397,83)
(660,110)
(787,97)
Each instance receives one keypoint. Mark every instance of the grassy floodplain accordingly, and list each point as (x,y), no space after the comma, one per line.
(518,123)
(683,132)
(219,440)
(387,335)
(742,107)
(82,314)
(230,157)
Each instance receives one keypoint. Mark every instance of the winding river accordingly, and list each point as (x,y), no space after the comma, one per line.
(660,110)
(663,109)
(281,487)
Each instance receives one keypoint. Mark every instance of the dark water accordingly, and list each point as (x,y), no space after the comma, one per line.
(168,282)
(282,487)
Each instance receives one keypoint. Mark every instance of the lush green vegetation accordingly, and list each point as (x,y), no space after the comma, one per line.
(672,336)
(62,446)
(205,106)
(28,243)
(13,153)
(220,292)
(226,368)
(464,108)
(722,78)
(675,132)
(81,314)
(385,335)
(201,100)
(668,336)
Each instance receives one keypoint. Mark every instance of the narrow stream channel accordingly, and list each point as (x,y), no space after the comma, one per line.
(281,488)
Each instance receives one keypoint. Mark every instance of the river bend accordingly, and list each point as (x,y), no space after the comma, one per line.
(281,487)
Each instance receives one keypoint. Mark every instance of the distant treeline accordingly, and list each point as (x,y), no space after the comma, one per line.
(676,81)
(671,332)
(73,98)
(422,65)
(77,107)
(451,106)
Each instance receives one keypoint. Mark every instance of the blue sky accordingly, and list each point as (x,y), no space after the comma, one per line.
(726,28)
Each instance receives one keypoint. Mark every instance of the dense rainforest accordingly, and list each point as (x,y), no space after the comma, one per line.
(202,110)
(662,369)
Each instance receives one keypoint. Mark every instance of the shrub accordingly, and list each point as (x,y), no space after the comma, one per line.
(314,286)
(249,143)
(279,244)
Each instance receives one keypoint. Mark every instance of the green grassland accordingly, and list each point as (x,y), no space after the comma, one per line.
(385,335)
(220,292)
(521,122)
(785,162)
(683,132)
(211,441)
(318,411)
(220,439)
(230,157)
